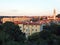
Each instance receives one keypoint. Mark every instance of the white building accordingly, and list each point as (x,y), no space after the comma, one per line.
(30,27)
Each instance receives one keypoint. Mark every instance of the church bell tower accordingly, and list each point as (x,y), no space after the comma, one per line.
(54,14)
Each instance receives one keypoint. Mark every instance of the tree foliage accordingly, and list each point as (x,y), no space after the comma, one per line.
(10,34)
(49,36)
(58,16)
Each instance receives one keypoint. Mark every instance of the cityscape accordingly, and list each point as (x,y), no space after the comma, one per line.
(32,23)
(29,22)
(29,25)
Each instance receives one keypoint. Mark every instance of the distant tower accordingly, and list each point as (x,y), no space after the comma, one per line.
(54,14)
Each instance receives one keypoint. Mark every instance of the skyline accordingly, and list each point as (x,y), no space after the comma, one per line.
(28,7)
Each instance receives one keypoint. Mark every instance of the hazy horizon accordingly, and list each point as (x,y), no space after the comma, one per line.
(28,7)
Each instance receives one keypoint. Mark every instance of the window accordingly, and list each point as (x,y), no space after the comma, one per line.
(27,30)
(36,30)
(28,33)
(32,29)
(24,28)
(32,25)
(36,25)
(20,28)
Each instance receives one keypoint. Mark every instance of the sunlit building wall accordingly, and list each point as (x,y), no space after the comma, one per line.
(30,28)
(15,19)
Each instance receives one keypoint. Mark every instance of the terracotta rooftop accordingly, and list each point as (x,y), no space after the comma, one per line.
(27,23)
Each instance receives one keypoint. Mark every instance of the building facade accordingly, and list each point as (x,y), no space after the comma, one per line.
(30,27)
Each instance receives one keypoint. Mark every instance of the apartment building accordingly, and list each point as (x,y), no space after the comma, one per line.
(30,27)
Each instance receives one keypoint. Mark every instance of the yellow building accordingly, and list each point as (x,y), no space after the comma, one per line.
(15,19)
(6,19)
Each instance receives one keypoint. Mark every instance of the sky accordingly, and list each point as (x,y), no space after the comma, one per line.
(28,7)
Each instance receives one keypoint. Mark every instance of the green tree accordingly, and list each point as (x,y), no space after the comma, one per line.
(10,34)
(14,31)
(58,16)
(49,36)
(4,37)
(1,27)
